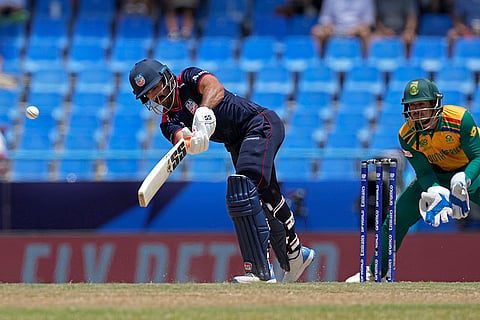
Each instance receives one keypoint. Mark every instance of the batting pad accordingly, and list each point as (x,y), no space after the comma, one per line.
(252,229)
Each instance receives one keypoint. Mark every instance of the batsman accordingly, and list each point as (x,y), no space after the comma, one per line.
(443,146)
(196,106)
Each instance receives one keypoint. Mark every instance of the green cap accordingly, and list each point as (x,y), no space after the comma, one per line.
(419,90)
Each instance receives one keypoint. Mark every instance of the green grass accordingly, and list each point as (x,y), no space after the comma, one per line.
(392,301)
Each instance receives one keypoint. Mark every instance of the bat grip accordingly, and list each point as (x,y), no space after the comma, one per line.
(187,142)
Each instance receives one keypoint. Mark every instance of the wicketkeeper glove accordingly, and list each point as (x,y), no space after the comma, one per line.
(459,198)
(434,205)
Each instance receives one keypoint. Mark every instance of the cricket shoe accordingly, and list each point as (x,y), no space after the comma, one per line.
(251,278)
(369,277)
(299,260)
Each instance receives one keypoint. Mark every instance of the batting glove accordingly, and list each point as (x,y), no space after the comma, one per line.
(435,206)
(198,143)
(204,120)
(459,197)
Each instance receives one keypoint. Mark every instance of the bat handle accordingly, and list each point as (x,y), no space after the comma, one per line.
(187,142)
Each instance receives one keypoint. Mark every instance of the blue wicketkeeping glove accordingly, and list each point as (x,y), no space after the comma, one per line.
(435,206)
(459,198)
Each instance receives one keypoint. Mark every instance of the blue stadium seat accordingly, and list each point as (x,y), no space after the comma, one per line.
(174,53)
(125,53)
(158,142)
(89,102)
(300,53)
(123,141)
(122,169)
(100,79)
(51,81)
(297,137)
(272,100)
(269,24)
(11,52)
(221,26)
(364,78)
(434,24)
(76,170)
(386,53)
(14,33)
(136,28)
(273,79)
(30,170)
(319,78)
(338,169)
(235,9)
(384,138)
(258,52)
(127,124)
(393,96)
(455,78)
(455,97)
(86,55)
(349,131)
(301,24)
(97,8)
(313,101)
(356,102)
(215,52)
(53,8)
(84,124)
(42,56)
(207,168)
(36,139)
(429,52)
(49,30)
(49,103)
(342,53)
(403,74)
(390,118)
(234,79)
(306,120)
(466,52)
(81,140)
(305,169)
(93,28)
(127,105)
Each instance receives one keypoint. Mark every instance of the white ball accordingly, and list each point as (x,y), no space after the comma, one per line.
(32,112)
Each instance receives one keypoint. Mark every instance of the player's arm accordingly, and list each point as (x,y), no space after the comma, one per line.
(212,91)
(423,169)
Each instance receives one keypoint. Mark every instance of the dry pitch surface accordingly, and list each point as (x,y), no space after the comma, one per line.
(401,300)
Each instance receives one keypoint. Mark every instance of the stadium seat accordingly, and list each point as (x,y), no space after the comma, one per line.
(400,76)
(299,53)
(272,100)
(221,26)
(207,168)
(269,24)
(429,52)
(81,140)
(386,53)
(338,169)
(360,102)
(214,53)
(15,33)
(455,78)
(42,56)
(51,104)
(174,53)
(455,97)
(93,28)
(434,24)
(305,168)
(313,101)
(390,119)
(53,8)
(307,121)
(125,53)
(364,78)
(122,170)
(51,81)
(234,79)
(319,78)
(100,79)
(76,170)
(135,28)
(49,30)
(97,8)
(301,24)
(258,52)
(30,170)
(384,138)
(36,139)
(466,52)
(123,141)
(11,52)
(89,102)
(86,55)
(273,79)
(235,9)
(342,53)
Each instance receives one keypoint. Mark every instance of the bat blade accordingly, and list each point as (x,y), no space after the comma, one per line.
(160,173)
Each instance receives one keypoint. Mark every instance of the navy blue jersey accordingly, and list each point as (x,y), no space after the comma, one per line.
(233,113)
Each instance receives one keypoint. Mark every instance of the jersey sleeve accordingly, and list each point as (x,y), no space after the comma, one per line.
(471,145)
(423,170)
(191,77)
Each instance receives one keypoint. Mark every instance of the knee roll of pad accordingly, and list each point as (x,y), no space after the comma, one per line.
(251,226)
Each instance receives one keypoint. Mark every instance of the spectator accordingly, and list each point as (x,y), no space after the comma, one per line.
(138,7)
(466,19)
(12,11)
(397,18)
(345,18)
(186,10)
(435,6)
(293,7)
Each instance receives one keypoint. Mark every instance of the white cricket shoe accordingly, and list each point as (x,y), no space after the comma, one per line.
(369,278)
(251,278)
(299,261)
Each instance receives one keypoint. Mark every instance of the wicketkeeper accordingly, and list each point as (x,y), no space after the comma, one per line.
(195,105)
(443,146)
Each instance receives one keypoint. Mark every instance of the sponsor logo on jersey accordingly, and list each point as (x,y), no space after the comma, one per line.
(414,88)
(407,154)
(473,132)
(449,139)
(201,73)
(191,106)
(139,80)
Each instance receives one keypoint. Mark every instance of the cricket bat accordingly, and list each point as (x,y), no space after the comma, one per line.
(160,173)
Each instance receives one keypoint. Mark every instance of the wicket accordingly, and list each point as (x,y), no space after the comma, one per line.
(378,218)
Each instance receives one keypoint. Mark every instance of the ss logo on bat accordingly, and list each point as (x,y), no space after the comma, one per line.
(177,156)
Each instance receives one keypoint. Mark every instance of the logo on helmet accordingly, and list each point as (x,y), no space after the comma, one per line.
(414,88)
(139,80)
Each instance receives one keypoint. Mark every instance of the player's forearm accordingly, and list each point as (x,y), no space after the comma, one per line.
(212,91)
